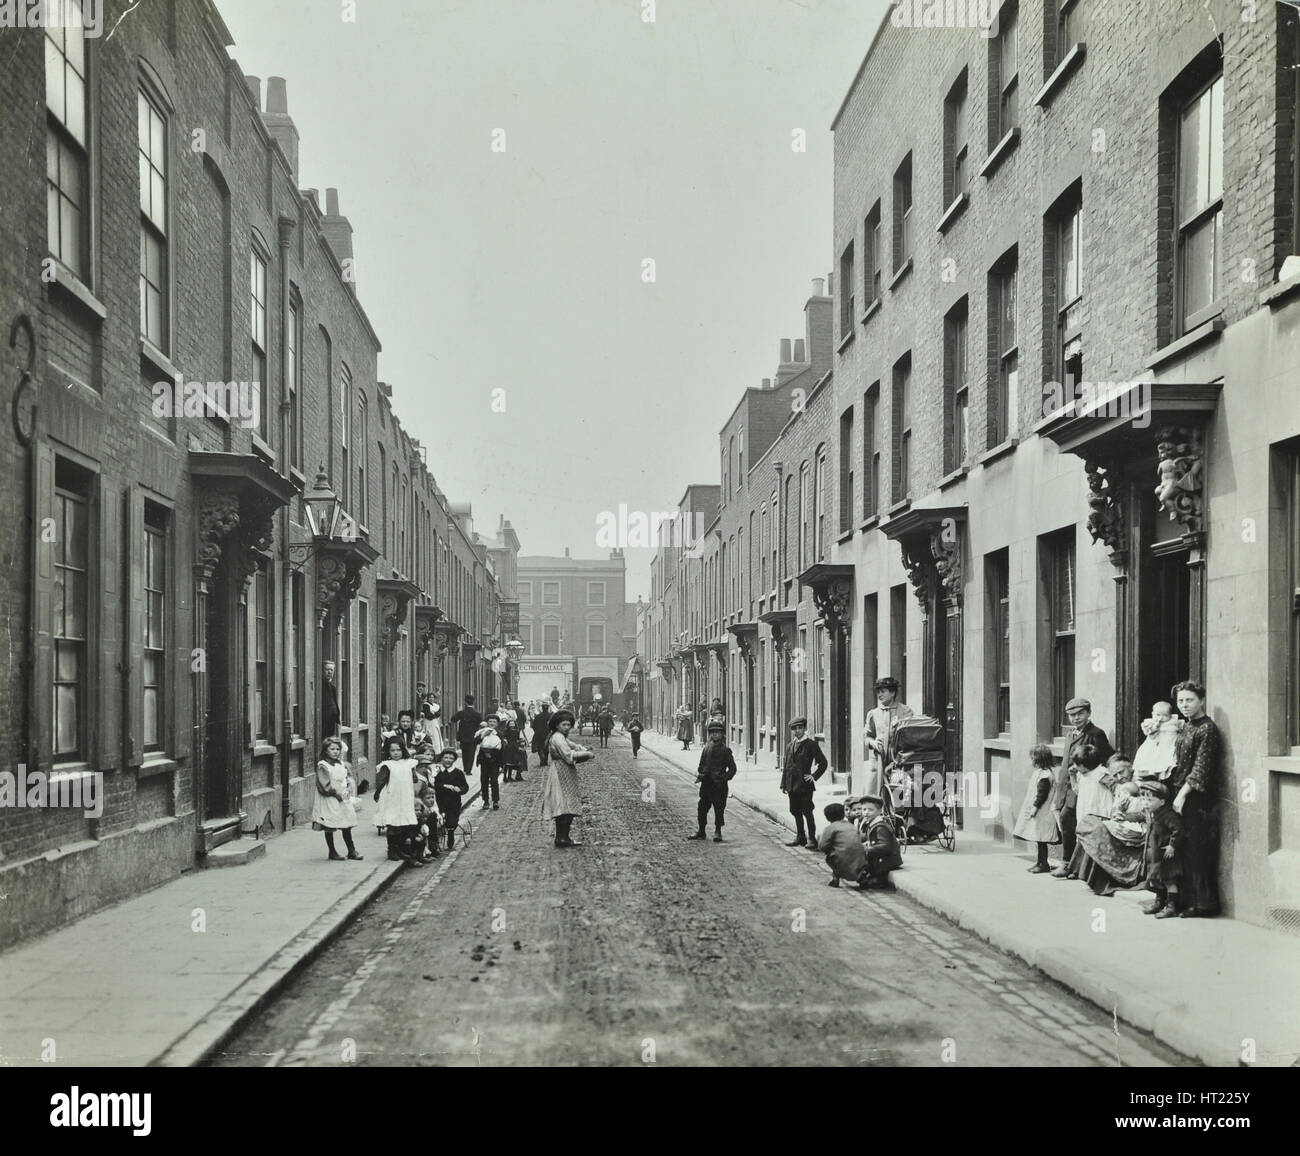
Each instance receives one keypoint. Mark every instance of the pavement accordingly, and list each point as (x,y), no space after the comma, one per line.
(1213,989)
(163,978)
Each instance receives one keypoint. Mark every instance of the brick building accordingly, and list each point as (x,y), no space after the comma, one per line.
(575,624)
(1055,449)
(177,570)
(1094,193)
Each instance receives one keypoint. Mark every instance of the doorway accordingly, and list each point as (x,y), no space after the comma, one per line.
(1164,623)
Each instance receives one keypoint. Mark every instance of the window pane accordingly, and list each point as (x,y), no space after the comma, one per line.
(157,200)
(1193,163)
(1215,141)
(144,183)
(53,78)
(150,715)
(67,661)
(1198,265)
(1008,52)
(157,143)
(76,98)
(65,719)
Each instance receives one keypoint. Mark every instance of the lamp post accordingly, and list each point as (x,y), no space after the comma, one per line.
(515,649)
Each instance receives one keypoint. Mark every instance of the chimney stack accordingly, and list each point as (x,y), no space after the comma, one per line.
(255,87)
(785,351)
(799,350)
(767,383)
(336,227)
(566,551)
(279,123)
(819,285)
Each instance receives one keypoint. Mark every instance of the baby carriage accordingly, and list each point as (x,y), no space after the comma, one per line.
(917,785)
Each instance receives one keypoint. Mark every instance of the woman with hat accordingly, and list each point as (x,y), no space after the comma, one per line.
(877,735)
(561,799)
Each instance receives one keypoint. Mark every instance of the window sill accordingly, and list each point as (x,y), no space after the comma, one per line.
(1053,84)
(159,360)
(1207,331)
(261,749)
(260,447)
(999,450)
(72,285)
(1000,151)
(298,476)
(899,507)
(845,341)
(868,523)
(297,743)
(953,477)
(952,212)
(69,772)
(903,271)
(844,536)
(872,310)
(1002,744)
(1282,764)
(156,764)
(1274,295)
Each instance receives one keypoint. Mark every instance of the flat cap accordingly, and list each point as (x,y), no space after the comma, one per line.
(1078,704)
(798,722)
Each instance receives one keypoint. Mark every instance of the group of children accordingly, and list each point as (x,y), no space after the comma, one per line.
(868,865)
(1130,800)
(417,795)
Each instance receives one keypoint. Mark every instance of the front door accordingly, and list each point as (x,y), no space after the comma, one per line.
(224,694)
(1164,638)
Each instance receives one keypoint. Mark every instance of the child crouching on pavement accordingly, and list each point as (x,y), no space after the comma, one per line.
(840,842)
(883,853)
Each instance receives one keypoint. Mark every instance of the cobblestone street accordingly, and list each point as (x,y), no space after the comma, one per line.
(639,945)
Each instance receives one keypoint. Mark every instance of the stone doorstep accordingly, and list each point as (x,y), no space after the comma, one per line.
(235,853)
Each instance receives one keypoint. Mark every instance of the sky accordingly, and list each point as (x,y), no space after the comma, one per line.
(509,167)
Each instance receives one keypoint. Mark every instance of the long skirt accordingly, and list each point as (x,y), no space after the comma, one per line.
(1108,861)
(1199,853)
(560,795)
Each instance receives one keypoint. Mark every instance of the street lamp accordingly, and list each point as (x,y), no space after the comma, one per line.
(323,506)
(515,649)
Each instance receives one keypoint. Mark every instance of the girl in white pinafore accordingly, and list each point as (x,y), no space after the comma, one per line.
(332,808)
(395,794)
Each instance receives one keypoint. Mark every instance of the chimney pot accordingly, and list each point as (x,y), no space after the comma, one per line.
(277,95)
(819,284)
(255,87)
(785,351)
(799,349)
(332,202)
(767,383)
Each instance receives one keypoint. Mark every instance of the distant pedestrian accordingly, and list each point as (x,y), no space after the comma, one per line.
(1037,822)
(332,808)
(450,787)
(489,752)
(685,727)
(798,781)
(467,722)
(542,733)
(717,768)
(605,726)
(561,796)
(634,728)
(842,846)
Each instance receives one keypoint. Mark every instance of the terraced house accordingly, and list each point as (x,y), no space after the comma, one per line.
(1067,390)
(181,560)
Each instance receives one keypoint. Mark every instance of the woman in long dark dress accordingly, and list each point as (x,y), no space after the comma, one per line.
(1193,786)
(561,797)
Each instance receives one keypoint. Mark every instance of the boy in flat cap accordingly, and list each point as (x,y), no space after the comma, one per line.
(798,781)
(883,853)
(717,768)
(1083,733)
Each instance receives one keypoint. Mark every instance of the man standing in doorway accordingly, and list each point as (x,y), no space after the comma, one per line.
(1084,733)
(798,780)
(329,704)
(467,723)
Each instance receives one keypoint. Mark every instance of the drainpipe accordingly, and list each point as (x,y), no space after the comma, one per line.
(286,227)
